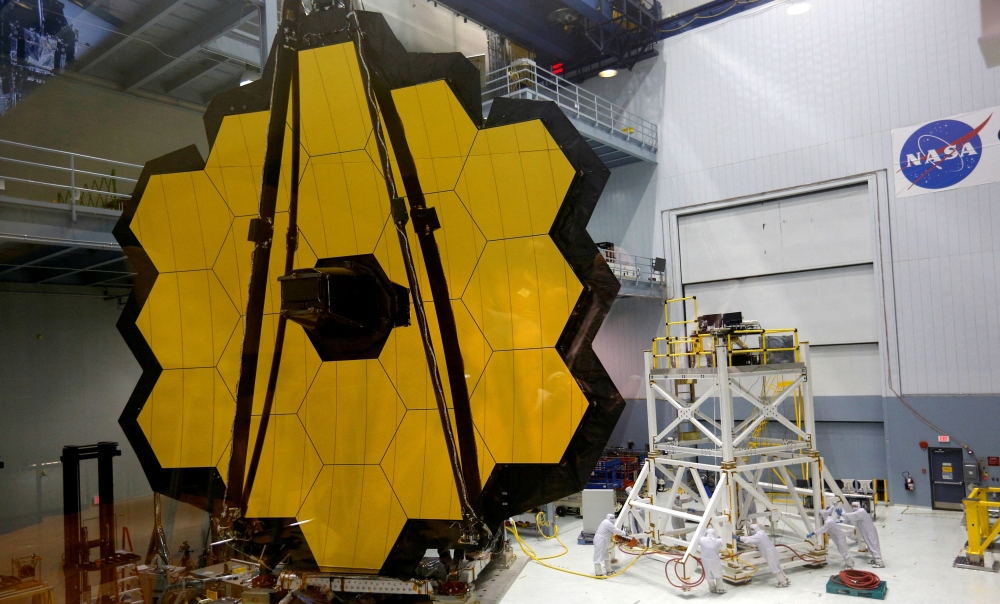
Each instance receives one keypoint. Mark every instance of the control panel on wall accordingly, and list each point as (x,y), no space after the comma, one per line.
(970,471)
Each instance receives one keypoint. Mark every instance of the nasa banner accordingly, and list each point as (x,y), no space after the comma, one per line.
(954,152)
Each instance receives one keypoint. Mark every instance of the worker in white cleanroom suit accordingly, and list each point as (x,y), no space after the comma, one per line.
(764,545)
(711,545)
(602,544)
(836,535)
(863,521)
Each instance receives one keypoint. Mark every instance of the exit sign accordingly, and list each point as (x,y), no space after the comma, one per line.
(944,438)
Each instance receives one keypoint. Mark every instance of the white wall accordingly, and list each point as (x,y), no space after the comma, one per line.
(73,116)
(65,376)
(766,101)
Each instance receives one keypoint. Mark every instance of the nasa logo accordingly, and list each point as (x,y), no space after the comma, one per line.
(941,154)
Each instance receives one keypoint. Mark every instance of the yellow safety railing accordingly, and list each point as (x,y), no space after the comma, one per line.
(697,348)
(690,345)
(977,520)
(736,343)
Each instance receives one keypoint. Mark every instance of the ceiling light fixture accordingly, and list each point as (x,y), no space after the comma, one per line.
(798,8)
(608,73)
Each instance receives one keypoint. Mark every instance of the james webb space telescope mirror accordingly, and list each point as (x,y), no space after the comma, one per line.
(366,319)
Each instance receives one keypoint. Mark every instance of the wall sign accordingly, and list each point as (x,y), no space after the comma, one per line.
(943,438)
(949,153)
(993,461)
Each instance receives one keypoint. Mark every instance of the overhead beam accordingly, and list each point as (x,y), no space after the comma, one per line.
(507,18)
(255,40)
(182,47)
(601,13)
(202,70)
(83,270)
(700,16)
(145,19)
(36,261)
(107,281)
(595,10)
(237,50)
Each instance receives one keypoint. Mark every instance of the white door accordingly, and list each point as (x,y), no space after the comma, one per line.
(806,262)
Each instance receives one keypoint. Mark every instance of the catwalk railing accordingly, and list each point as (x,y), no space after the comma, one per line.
(635,269)
(41,174)
(524,79)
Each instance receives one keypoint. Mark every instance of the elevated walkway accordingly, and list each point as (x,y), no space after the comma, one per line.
(57,212)
(640,277)
(616,135)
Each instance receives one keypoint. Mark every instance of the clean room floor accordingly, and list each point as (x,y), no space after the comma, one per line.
(918,546)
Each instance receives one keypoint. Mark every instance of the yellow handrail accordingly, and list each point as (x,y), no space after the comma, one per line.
(699,347)
(673,341)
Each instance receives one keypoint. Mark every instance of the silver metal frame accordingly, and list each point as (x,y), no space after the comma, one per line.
(738,467)
(880,194)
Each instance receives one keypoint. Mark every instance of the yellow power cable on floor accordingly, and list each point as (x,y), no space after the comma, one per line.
(539,523)
(530,553)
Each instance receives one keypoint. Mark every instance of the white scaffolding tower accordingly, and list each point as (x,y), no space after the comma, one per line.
(737,455)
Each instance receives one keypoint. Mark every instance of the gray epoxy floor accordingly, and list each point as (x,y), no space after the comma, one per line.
(918,546)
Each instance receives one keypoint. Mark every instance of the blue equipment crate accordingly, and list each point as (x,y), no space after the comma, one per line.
(875,594)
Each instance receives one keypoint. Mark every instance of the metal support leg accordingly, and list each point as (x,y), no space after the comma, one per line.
(706,518)
(653,495)
(549,510)
(650,401)
(730,502)
(71,522)
(815,466)
(106,511)
(74,194)
(725,404)
(807,397)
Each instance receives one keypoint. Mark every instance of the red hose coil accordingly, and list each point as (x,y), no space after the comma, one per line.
(683,584)
(857,579)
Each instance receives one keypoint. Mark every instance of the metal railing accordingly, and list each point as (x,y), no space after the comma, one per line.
(524,79)
(695,348)
(42,174)
(632,269)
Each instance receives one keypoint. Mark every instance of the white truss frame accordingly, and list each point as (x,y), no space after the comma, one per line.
(738,483)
